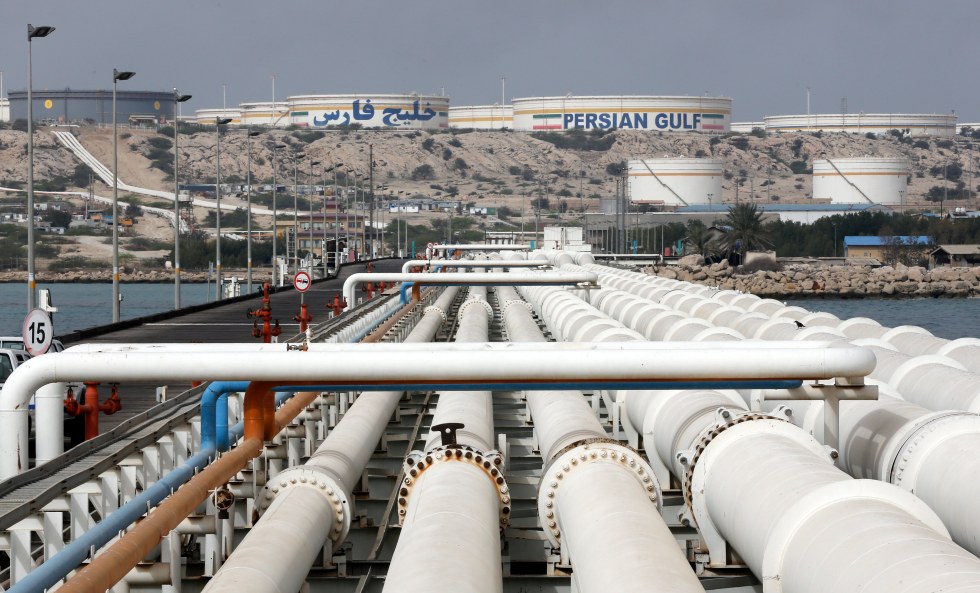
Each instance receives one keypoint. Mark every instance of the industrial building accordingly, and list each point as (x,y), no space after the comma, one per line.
(912,124)
(674,114)
(482,117)
(864,180)
(69,106)
(675,181)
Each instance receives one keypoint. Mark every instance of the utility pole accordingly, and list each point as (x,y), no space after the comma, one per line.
(371,189)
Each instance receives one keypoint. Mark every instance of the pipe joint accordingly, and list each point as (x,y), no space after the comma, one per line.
(437,310)
(935,430)
(515,303)
(475,302)
(583,454)
(725,418)
(490,463)
(710,445)
(308,476)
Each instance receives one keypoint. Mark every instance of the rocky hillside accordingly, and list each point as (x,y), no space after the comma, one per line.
(496,168)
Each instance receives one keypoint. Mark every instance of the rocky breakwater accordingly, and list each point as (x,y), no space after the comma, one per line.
(810,281)
(82,276)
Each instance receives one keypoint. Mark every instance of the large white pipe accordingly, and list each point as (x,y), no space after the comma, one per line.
(49,416)
(311,504)
(931,454)
(356,364)
(633,550)
(458,263)
(453,508)
(463,279)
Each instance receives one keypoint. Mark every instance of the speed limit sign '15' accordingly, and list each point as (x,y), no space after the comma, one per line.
(38,332)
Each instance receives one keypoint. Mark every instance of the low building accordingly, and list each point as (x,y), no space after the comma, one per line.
(955,256)
(887,250)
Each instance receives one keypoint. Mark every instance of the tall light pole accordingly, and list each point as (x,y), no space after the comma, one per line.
(178,98)
(32,32)
(275,213)
(249,134)
(296,161)
(311,183)
(218,122)
(116,77)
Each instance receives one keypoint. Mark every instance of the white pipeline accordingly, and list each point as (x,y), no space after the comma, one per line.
(463,279)
(311,504)
(452,515)
(599,506)
(459,263)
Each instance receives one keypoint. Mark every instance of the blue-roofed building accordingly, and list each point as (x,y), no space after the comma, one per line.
(860,247)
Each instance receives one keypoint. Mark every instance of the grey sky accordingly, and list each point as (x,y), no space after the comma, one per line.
(883,55)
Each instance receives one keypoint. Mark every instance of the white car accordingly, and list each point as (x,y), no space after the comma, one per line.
(17,343)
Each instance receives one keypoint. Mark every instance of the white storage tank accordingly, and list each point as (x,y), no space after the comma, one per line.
(482,117)
(913,124)
(265,114)
(668,114)
(861,180)
(409,111)
(206,117)
(676,181)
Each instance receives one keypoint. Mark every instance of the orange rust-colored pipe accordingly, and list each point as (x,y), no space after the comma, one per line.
(112,565)
(381,330)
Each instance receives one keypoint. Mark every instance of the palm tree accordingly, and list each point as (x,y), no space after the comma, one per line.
(699,240)
(746,230)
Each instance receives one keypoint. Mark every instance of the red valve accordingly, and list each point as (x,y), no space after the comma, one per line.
(338,305)
(303,318)
(91,407)
(265,314)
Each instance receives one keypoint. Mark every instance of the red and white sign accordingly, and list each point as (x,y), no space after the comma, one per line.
(301,281)
(38,332)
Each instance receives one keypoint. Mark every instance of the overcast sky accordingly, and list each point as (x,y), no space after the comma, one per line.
(908,56)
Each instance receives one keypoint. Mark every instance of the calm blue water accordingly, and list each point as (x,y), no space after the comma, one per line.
(82,306)
(87,305)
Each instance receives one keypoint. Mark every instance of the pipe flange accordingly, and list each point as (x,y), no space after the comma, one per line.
(488,462)
(579,454)
(712,444)
(725,419)
(322,482)
(516,303)
(471,302)
(434,309)
(930,434)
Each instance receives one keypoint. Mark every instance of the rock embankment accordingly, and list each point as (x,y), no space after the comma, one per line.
(134,276)
(811,281)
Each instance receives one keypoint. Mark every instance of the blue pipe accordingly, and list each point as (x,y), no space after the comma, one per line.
(404,291)
(214,413)
(72,555)
(364,332)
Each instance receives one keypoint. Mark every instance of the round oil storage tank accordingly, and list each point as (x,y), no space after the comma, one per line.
(861,180)
(207,117)
(912,124)
(68,106)
(410,111)
(675,114)
(482,117)
(265,114)
(676,181)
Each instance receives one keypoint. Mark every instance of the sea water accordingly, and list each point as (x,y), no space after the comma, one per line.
(87,305)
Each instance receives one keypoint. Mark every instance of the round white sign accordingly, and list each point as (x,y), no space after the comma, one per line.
(301,281)
(38,332)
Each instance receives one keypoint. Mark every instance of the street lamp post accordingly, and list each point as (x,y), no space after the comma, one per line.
(178,98)
(311,183)
(116,77)
(275,212)
(296,161)
(32,32)
(218,122)
(249,134)
(834,224)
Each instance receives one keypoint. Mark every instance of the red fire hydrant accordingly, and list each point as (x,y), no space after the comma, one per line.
(370,267)
(265,314)
(91,408)
(369,289)
(338,305)
(303,318)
